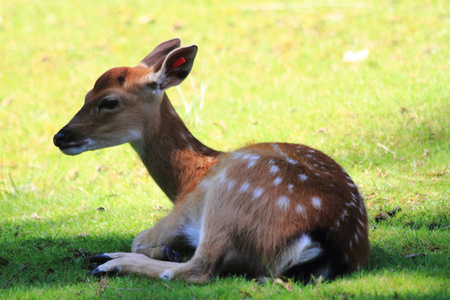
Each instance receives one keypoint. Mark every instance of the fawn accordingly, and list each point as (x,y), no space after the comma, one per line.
(266,210)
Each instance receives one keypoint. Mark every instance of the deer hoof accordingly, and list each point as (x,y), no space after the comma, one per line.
(97,272)
(171,255)
(100,259)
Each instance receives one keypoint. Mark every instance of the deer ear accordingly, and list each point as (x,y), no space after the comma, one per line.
(159,53)
(176,67)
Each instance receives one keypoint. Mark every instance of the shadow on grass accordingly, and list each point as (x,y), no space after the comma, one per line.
(29,261)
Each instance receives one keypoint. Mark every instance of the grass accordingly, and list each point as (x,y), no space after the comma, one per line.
(273,72)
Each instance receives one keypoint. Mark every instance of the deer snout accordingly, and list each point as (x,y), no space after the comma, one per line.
(59,138)
(69,142)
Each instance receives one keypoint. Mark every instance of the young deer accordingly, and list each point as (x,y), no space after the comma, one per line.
(266,209)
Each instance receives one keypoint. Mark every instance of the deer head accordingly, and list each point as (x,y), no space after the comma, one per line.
(125,102)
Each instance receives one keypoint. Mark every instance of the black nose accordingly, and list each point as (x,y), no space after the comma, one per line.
(59,138)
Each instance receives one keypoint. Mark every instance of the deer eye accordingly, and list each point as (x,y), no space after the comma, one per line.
(109,104)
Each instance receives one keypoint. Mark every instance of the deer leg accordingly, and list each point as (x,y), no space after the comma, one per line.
(130,263)
(160,241)
(203,267)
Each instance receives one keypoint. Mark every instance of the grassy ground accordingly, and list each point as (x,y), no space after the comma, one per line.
(274,71)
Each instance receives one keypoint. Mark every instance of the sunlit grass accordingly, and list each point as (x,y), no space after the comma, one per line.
(273,72)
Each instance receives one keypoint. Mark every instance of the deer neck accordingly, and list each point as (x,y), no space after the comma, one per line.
(175,159)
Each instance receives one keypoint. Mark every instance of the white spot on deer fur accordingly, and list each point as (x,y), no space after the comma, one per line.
(350,204)
(361,209)
(350,244)
(244,187)
(246,156)
(277,181)
(290,187)
(283,202)
(311,151)
(358,231)
(302,177)
(252,160)
(361,222)
(351,185)
(337,223)
(277,148)
(308,155)
(223,177)
(291,161)
(274,169)
(271,161)
(300,210)
(316,202)
(258,192)
(230,184)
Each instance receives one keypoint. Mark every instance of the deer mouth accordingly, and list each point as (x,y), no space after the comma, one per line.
(71,143)
(74,148)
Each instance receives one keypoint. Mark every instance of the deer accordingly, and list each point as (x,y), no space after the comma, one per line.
(264,210)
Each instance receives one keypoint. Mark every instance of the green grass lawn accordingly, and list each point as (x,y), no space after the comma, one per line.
(274,71)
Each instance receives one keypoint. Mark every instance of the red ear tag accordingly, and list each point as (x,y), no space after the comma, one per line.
(179,62)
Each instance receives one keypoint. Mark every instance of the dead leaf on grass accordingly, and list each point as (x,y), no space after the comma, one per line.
(284,282)
(102,285)
(355,56)
(36,216)
(7,101)
(177,26)
(146,19)
(222,125)
(80,253)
